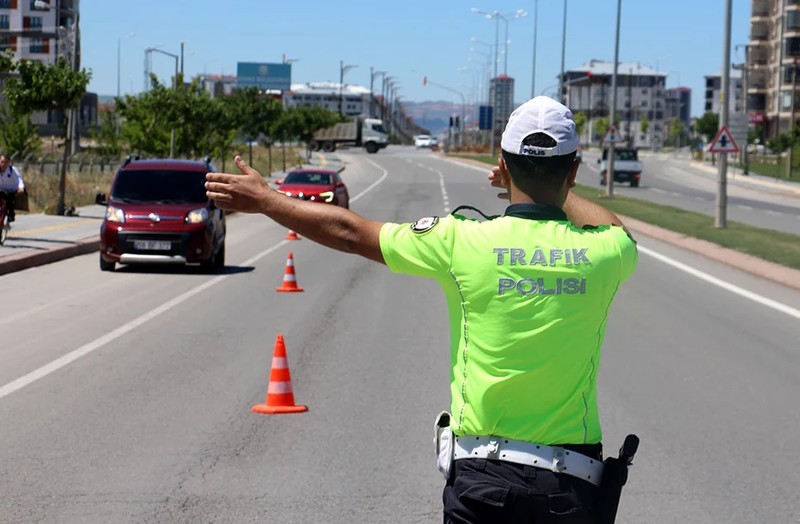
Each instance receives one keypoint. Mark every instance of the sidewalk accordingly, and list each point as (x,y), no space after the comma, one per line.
(37,239)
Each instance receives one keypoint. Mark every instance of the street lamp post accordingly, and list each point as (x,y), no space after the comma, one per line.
(463,104)
(496,15)
(148,51)
(372,76)
(342,70)
(563,54)
(519,13)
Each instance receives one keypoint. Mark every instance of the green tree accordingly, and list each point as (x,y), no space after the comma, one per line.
(148,119)
(580,122)
(17,134)
(676,132)
(601,126)
(42,87)
(303,121)
(256,113)
(106,133)
(707,125)
(644,124)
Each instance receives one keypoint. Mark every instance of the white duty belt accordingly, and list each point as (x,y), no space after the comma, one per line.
(553,458)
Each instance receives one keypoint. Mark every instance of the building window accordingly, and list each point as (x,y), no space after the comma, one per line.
(792,20)
(4,22)
(8,43)
(793,46)
(6,4)
(38,45)
(32,22)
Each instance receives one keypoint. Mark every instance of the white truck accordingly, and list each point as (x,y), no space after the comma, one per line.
(368,133)
(627,167)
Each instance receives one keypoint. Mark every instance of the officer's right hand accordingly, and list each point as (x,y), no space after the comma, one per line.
(498,177)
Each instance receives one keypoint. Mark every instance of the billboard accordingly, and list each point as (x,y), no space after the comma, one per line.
(264,76)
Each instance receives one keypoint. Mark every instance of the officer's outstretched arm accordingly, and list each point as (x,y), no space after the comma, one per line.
(331,226)
(583,212)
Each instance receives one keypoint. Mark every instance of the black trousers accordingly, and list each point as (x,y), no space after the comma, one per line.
(11,200)
(483,491)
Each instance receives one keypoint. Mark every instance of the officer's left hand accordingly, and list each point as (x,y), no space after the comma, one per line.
(498,177)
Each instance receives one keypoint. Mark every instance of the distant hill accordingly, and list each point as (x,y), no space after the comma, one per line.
(435,116)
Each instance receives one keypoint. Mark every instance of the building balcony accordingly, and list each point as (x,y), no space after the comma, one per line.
(761,10)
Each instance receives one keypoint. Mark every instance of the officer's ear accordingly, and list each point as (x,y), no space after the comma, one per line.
(573,174)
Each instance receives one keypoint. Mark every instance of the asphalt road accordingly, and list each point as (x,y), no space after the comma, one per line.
(125,397)
(677,182)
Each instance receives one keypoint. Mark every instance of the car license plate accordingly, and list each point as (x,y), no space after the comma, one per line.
(152,245)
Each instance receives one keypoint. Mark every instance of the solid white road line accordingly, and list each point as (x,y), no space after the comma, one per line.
(72,356)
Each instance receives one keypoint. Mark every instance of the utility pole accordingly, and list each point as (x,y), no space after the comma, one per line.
(613,114)
(745,87)
(720,220)
(630,106)
(535,30)
(563,56)
(792,122)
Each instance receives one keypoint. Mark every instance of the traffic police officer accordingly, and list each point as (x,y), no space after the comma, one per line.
(528,295)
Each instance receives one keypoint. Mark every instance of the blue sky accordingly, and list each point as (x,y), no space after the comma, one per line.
(409,40)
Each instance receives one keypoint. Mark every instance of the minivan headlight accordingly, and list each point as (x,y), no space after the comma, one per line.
(115,214)
(197,216)
(327,196)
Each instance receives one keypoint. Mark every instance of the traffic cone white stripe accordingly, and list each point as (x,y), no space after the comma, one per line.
(290,278)
(279,388)
(280,363)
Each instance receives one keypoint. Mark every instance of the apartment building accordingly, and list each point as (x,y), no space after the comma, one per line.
(44,30)
(771,64)
(501,95)
(640,100)
(713,92)
(354,99)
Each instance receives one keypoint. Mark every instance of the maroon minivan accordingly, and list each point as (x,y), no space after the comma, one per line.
(158,213)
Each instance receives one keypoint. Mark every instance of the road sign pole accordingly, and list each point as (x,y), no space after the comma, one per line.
(720,220)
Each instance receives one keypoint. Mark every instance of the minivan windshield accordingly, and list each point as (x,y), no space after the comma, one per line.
(161,186)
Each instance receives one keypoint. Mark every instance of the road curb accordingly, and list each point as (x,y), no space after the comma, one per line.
(775,272)
(12,263)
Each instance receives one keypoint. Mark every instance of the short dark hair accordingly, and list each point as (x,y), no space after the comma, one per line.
(530,173)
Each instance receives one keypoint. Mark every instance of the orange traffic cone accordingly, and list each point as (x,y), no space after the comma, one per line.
(280,398)
(289,278)
(291,235)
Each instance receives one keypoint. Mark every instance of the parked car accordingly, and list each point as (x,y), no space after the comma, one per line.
(316,185)
(158,213)
(424,141)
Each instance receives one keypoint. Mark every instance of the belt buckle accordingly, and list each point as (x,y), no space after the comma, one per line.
(492,449)
(559,460)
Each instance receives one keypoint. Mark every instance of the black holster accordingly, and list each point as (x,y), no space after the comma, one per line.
(615,475)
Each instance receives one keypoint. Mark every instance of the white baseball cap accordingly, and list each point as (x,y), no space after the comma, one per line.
(541,114)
